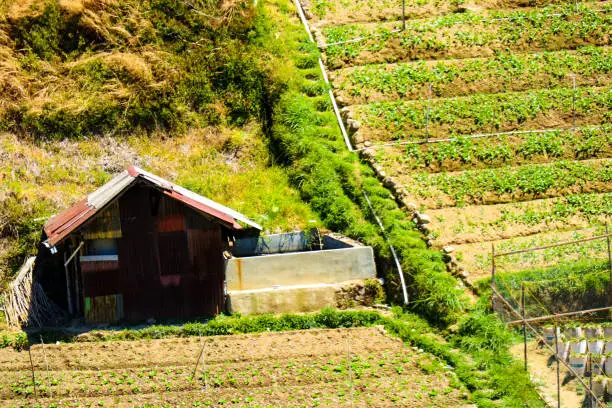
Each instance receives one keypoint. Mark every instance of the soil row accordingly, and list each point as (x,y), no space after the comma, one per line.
(408,390)
(185,351)
(490,152)
(505,72)
(326,13)
(263,373)
(473,224)
(508,184)
(475,114)
(468,36)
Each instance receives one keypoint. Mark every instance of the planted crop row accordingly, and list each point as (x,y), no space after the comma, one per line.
(565,287)
(285,372)
(132,355)
(384,392)
(468,35)
(471,153)
(453,225)
(345,11)
(510,184)
(476,257)
(503,73)
(486,113)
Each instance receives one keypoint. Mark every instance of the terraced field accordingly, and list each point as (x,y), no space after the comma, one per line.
(304,368)
(492,117)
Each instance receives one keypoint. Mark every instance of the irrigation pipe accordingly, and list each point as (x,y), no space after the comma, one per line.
(335,105)
(298,5)
(397,262)
(350,148)
(539,337)
(477,136)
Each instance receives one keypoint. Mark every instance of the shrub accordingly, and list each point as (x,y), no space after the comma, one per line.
(18,341)
(481,330)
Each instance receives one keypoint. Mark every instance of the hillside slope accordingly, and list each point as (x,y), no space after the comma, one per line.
(231,92)
(87,87)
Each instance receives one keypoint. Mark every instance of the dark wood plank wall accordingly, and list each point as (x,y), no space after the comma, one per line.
(168,268)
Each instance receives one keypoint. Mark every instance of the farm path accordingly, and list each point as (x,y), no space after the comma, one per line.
(543,370)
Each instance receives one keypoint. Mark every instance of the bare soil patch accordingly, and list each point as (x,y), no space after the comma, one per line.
(544,371)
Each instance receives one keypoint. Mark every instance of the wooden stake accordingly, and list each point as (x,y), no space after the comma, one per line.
(68,291)
(493,275)
(558,369)
(574,100)
(610,268)
(524,324)
(591,400)
(427,114)
(46,364)
(33,374)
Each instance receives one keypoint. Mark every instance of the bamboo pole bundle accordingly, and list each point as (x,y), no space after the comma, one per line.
(26,303)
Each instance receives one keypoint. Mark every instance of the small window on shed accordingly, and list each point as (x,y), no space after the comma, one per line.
(101,247)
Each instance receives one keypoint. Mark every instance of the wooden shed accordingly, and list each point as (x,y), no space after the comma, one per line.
(139,247)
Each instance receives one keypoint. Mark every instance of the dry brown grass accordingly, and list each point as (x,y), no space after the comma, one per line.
(64,84)
(19,9)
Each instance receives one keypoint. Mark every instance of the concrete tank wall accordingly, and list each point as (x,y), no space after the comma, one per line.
(302,268)
(301,299)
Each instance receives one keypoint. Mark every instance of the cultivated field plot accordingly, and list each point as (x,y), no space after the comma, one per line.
(291,369)
(492,117)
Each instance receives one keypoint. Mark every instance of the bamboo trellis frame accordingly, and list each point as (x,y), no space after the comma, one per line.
(26,303)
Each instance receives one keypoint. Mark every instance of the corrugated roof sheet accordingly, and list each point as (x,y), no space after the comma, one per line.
(61,225)
(110,190)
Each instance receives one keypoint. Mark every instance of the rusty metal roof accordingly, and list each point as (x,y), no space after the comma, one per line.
(61,225)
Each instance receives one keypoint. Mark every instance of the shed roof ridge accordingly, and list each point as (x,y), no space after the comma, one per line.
(197,197)
(61,225)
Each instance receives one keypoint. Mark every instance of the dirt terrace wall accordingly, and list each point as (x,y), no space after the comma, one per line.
(302,268)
